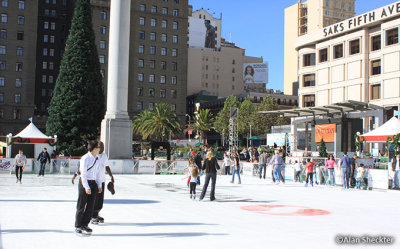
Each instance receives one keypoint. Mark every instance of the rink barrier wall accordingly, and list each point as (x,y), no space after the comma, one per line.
(376,178)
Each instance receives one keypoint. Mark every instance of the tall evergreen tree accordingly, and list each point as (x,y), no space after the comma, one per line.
(77,106)
(322,149)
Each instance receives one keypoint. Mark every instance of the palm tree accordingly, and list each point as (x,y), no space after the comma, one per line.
(157,123)
(203,122)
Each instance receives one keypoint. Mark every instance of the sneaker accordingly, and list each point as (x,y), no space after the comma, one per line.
(94,221)
(100,219)
(87,229)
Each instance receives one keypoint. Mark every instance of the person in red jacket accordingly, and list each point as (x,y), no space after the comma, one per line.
(310,168)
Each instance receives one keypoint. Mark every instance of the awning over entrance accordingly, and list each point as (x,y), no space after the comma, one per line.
(337,109)
(380,134)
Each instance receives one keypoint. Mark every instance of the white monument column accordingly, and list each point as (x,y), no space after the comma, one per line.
(116,128)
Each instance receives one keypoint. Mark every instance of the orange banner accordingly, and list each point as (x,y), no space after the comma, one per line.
(325,132)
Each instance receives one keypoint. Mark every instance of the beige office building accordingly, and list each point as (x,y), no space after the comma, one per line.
(356,59)
(305,17)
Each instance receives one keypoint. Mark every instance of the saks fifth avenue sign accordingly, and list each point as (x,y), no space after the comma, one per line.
(362,20)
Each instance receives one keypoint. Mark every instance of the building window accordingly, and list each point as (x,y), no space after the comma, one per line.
(103,73)
(162,79)
(392,36)
(141,49)
(375,91)
(175,12)
(152,50)
(375,67)
(140,91)
(46,12)
(103,15)
(45,38)
(323,55)
(51,51)
(2,65)
(3,34)
(163,51)
(174,80)
(51,79)
(2,81)
(142,7)
(355,46)
(174,52)
(43,106)
(173,94)
(175,25)
(173,107)
(18,83)
(17,114)
(308,100)
(163,93)
(1,97)
(51,65)
(44,65)
(164,24)
(4,18)
(18,67)
(141,21)
(44,79)
(140,63)
(152,36)
(165,11)
(44,92)
(153,22)
(21,5)
(102,59)
(174,66)
(17,98)
(3,50)
(153,9)
(50,93)
(164,37)
(308,60)
(4,3)
(151,92)
(151,106)
(338,51)
(20,51)
(164,65)
(139,106)
(1,113)
(52,39)
(20,36)
(309,80)
(102,44)
(175,39)
(376,42)
(103,30)
(46,25)
(140,77)
(152,64)
(141,35)
(151,78)
(176,1)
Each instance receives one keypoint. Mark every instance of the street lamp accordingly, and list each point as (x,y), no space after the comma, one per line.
(189,126)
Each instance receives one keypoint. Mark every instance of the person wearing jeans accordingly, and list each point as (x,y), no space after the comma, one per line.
(263,163)
(396,168)
(236,168)
(331,164)
(277,163)
(211,166)
(345,164)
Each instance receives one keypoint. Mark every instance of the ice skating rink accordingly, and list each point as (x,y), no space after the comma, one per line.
(156,212)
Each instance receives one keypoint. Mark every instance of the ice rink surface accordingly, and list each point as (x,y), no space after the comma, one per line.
(156,212)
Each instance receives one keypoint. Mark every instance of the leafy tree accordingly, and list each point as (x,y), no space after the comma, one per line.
(247,112)
(322,149)
(221,123)
(77,106)
(203,122)
(158,123)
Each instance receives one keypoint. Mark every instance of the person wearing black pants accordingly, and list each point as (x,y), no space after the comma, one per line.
(211,166)
(19,164)
(89,186)
(43,158)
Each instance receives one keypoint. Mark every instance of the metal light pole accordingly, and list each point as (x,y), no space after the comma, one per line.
(189,125)
(250,134)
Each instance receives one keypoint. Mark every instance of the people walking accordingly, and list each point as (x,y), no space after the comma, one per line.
(19,165)
(331,164)
(103,167)
(263,164)
(90,184)
(236,168)
(277,163)
(211,166)
(43,158)
(227,163)
(345,164)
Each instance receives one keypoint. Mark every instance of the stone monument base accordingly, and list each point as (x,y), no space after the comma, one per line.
(116,135)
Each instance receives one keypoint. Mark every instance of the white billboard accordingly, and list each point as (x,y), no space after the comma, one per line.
(203,33)
(255,73)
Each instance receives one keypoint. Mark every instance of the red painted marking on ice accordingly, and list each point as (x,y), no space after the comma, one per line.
(301,211)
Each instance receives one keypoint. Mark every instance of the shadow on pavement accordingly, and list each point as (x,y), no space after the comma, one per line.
(156,224)
(159,235)
(109,201)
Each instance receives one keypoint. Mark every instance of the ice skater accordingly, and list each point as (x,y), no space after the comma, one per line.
(43,158)
(19,165)
(310,169)
(210,166)
(90,184)
(193,182)
(236,168)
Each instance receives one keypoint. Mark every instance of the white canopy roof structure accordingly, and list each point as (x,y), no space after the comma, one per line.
(380,134)
(31,131)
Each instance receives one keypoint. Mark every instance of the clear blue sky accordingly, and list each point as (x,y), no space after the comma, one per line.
(258,26)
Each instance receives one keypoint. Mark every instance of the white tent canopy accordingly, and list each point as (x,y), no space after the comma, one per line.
(31,131)
(380,134)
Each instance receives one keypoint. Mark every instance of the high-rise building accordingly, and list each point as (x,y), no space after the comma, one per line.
(305,17)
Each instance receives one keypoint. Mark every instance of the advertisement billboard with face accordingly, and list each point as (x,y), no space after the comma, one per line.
(203,33)
(255,73)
